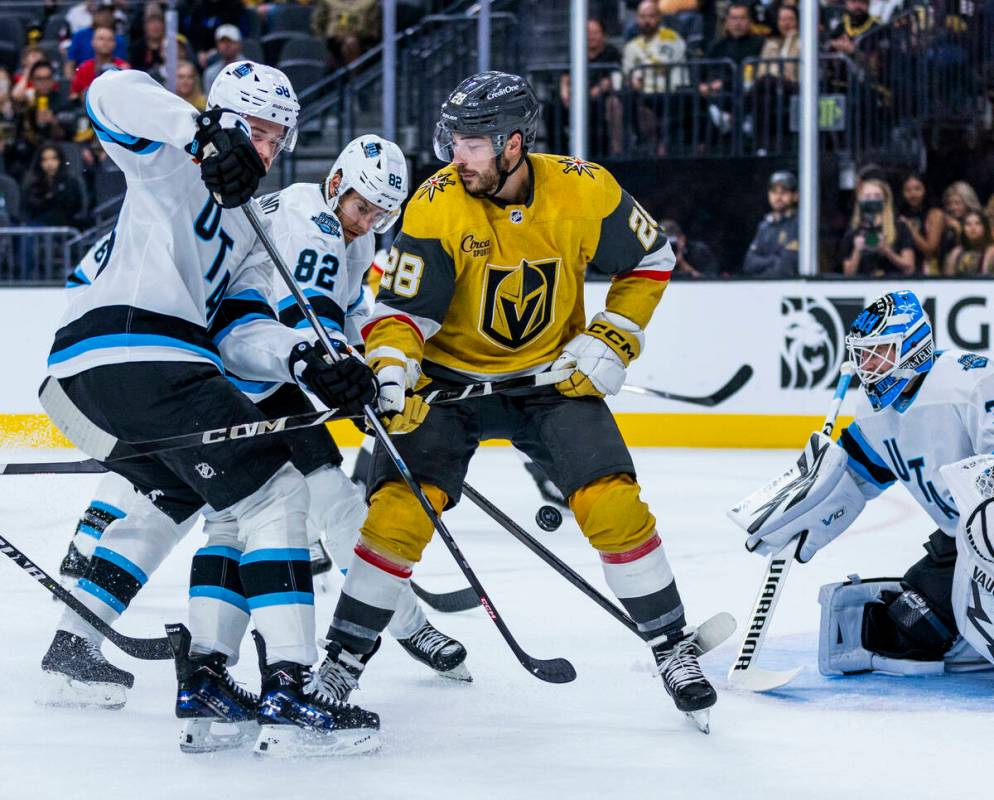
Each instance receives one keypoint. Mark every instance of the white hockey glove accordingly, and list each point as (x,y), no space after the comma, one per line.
(816,499)
(599,357)
(397,376)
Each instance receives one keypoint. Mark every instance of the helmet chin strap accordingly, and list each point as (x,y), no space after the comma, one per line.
(506,173)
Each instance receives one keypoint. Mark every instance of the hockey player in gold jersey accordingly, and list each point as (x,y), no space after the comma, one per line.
(485,282)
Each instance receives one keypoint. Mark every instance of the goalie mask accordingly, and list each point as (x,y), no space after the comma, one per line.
(376,169)
(890,343)
(259,91)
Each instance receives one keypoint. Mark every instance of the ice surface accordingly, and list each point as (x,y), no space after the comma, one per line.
(611,734)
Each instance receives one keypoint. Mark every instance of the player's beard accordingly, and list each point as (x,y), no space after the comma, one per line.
(482,183)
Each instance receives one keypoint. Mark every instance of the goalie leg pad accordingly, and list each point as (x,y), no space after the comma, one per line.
(878,625)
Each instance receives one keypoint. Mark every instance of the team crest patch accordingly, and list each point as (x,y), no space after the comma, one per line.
(436,183)
(371,149)
(328,224)
(243,70)
(518,302)
(577,165)
(972,361)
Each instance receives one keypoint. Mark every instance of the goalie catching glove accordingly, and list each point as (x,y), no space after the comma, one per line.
(599,357)
(229,165)
(402,410)
(346,384)
(816,499)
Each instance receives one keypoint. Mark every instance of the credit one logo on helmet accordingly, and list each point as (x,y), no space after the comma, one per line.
(518,302)
(499,92)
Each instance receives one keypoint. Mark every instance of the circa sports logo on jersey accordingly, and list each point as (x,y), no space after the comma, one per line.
(518,302)
(577,165)
(436,183)
(475,247)
(328,224)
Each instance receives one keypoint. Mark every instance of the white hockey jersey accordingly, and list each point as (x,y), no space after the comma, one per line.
(951,418)
(181,278)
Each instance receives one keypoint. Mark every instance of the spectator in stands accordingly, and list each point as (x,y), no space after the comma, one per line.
(21,91)
(229,50)
(80,15)
(43,115)
(350,27)
(776,81)
(602,84)
(647,61)
(957,200)
(974,255)
(149,53)
(203,17)
(773,252)
(933,239)
(188,85)
(103,59)
(737,44)
(694,259)
(51,196)
(81,45)
(6,104)
(855,21)
(876,243)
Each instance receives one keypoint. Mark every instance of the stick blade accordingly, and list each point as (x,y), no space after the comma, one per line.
(553,670)
(715,630)
(755,679)
(737,381)
(449,602)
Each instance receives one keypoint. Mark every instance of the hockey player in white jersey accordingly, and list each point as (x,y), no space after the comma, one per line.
(305,234)
(923,410)
(141,354)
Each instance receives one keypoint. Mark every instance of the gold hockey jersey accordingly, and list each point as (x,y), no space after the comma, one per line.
(491,290)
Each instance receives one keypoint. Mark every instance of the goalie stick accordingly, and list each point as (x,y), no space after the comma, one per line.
(745,672)
(147,649)
(555,670)
(736,382)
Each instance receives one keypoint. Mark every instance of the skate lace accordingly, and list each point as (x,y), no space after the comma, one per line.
(680,667)
(242,694)
(323,687)
(332,681)
(429,640)
(94,650)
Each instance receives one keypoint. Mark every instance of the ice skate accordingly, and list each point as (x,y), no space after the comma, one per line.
(442,653)
(80,676)
(217,713)
(680,670)
(299,720)
(340,671)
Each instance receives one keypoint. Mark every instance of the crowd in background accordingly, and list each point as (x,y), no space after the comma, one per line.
(54,172)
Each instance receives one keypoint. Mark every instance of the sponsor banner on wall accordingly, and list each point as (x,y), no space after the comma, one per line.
(790,334)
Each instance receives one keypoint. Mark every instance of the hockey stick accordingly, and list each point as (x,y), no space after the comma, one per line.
(745,673)
(102,445)
(737,381)
(449,602)
(557,670)
(147,649)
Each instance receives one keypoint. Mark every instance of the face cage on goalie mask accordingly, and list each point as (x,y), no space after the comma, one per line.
(876,357)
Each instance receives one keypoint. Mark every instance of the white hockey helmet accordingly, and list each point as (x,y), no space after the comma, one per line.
(260,91)
(376,169)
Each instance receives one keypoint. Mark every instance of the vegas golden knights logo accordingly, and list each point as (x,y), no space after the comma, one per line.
(518,302)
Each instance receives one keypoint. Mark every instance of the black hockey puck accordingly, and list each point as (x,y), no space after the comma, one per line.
(548,518)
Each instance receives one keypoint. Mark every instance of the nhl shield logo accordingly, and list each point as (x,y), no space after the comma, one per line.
(518,302)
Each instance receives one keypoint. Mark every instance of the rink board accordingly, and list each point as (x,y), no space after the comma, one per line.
(790,332)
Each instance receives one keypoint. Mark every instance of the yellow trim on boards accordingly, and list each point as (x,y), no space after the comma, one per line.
(759,431)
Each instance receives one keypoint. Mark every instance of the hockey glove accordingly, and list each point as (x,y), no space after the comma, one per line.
(229,165)
(402,410)
(600,356)
(347,384)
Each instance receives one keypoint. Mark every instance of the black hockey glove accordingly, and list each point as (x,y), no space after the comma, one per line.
(229,166)
(347,384)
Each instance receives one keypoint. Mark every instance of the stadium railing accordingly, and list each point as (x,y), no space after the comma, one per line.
(36,254)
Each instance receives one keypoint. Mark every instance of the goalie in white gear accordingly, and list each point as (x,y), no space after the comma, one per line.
(922,410)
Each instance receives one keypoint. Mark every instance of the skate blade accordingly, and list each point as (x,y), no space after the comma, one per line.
(289,741)
(65,692)
(701,719)
(210,736)
(460,672)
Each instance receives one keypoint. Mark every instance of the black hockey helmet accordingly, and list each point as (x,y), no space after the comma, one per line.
(494,104)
